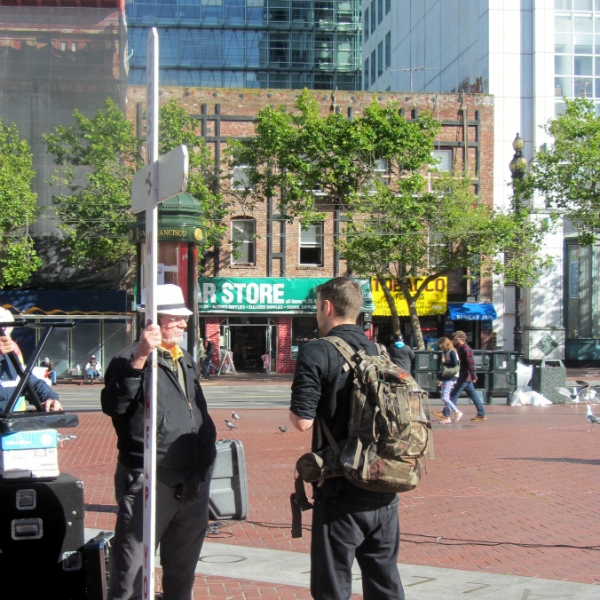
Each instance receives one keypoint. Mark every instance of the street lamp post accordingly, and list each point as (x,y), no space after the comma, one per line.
(517,166)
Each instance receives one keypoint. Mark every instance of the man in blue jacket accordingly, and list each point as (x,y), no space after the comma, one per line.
(9,375)
(185,452)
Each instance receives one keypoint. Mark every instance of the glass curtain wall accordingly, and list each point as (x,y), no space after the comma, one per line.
(286,44)
(577,51)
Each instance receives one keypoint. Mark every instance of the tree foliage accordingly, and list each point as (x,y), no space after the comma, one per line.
(98,158)
(567,174)
(18,209)
(177,127)
(399,222)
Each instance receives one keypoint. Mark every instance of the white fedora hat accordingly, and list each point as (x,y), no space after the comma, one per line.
(169,301)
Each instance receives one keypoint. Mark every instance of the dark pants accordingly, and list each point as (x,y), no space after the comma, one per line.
(343,531)
(206,366)
(469,388)
(180,530)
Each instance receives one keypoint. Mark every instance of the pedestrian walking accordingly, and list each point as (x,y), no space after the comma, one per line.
(400,353)
(209,353)
(448,375)
(185,452)
(348,522)
(467,377)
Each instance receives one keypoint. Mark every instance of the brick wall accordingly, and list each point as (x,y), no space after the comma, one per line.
(451,109)
(285,363)
(232,104)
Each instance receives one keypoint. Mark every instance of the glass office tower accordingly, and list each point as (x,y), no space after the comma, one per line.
(249,43)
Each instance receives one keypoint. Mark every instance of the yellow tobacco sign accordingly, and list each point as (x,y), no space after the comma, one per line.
(432,301)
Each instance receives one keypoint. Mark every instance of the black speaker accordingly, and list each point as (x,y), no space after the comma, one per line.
(41,537)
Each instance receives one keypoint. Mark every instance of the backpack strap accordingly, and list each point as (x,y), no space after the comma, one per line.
(344,348)
(348,352)
(299,503)
(322,428)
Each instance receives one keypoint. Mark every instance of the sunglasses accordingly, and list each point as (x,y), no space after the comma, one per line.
(174,318)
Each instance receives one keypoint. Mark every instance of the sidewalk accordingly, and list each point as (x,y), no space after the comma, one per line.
(592,376)
(508,508)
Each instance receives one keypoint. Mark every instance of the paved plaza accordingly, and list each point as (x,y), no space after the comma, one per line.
(509,508)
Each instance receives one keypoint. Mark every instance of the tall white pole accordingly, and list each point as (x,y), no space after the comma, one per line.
(151,269)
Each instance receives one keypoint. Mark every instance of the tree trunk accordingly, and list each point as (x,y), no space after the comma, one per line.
(392,305)
(411,300)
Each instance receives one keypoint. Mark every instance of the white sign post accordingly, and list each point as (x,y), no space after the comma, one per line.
(159,180)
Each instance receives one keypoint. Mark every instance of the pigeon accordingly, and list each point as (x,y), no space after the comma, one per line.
(230,424)
(591,417)
(235,416)
(565,392)
(283,429)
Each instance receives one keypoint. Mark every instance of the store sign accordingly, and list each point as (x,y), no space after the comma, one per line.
(432,301)
(261,294)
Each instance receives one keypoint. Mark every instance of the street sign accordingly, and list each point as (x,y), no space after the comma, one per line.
(151,267)
(159,180)
(169,173)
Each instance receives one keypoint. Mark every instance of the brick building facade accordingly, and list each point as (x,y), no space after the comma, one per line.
(466,135)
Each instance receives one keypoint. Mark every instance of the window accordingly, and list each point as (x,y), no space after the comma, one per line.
(243,234)
(373,66)
(382,168)
(366,24)
(366,74)
(380,11)
(388,6)
(373,15)
(304,329)
(279,11)
(442,160)
(437,251)
(388,50)
(240,178)
(311,245)
(380,59)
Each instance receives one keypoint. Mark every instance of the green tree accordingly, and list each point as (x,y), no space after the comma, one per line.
(567,174)
(18,209)
(98,158)
(374,169)
(177,127)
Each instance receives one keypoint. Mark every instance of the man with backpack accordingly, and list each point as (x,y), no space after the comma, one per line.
(348,521)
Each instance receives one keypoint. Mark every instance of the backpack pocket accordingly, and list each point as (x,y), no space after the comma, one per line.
(317,466)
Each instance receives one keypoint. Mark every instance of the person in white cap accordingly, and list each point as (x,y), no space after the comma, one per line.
(8,373)
(93,369)
(185,452)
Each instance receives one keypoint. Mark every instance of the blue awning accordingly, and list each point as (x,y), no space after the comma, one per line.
(472,311)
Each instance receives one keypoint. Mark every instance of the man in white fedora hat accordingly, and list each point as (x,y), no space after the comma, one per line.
(185,452)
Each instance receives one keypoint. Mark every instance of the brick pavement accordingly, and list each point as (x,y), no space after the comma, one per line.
(516,494)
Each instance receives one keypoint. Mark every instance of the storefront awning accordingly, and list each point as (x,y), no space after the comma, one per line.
(472,311)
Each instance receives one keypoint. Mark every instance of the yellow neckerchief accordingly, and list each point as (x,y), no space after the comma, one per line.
(175,351)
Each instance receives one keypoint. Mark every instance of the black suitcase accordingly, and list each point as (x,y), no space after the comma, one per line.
(229,483)
(96,564)
(41,537)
